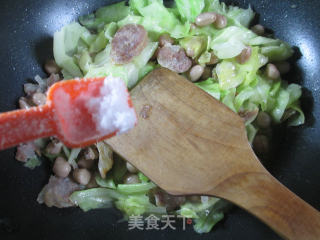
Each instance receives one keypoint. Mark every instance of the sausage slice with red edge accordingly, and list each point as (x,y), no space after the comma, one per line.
(174,58)
(128,42)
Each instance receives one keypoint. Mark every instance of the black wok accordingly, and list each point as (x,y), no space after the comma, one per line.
(26,29)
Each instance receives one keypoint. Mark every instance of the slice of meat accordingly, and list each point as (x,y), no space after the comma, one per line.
(128,42)
(26,151)
(174,58)
(57,192)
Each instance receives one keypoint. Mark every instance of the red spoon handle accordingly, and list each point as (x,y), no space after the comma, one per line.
(26,125)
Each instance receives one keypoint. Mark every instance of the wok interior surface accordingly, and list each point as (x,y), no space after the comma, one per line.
(27,28)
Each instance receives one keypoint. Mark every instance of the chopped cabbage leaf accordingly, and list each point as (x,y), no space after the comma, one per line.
(64,46)
(211,87)
(206,214)
(231,41)
(134,204)
(240,16)
(189,9)
(33,162)
(197,44)
(112,13)
(95,198)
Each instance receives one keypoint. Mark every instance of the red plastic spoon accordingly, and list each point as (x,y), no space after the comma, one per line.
(79,112)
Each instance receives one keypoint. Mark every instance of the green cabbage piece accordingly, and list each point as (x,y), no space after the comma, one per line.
(204,58)
(33,162)
(113,13)
(107,182)
(228,99)
(231,74)
(133,204)
(110,30)
(274,49)
(146,69)
(88,38)
(205,223)
(197,44)
(297,118)
(64,47)
(231,41)
(103,66)
(236,16)
(288,98)
(143,178)
(280,52)
(156,19)
(91,22)
(138,205)
(190,9)
(215,6)
(99,43)
(206,214)
(136,188)
(192,210)
(261,93)
(95,198)
(73,156)
(85,61)
(104,15)
(210,86)
(240,16)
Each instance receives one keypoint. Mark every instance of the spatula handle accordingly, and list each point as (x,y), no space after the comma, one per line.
(26,125)
(266,198)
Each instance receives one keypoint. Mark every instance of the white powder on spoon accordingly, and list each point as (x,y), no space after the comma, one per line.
(111,111)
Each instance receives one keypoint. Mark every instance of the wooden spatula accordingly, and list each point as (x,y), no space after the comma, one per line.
(189,143)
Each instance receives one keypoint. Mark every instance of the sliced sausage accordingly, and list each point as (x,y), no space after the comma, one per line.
(174,58)
(128,42)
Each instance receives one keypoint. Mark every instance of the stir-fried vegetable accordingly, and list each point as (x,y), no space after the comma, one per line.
(208,42)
